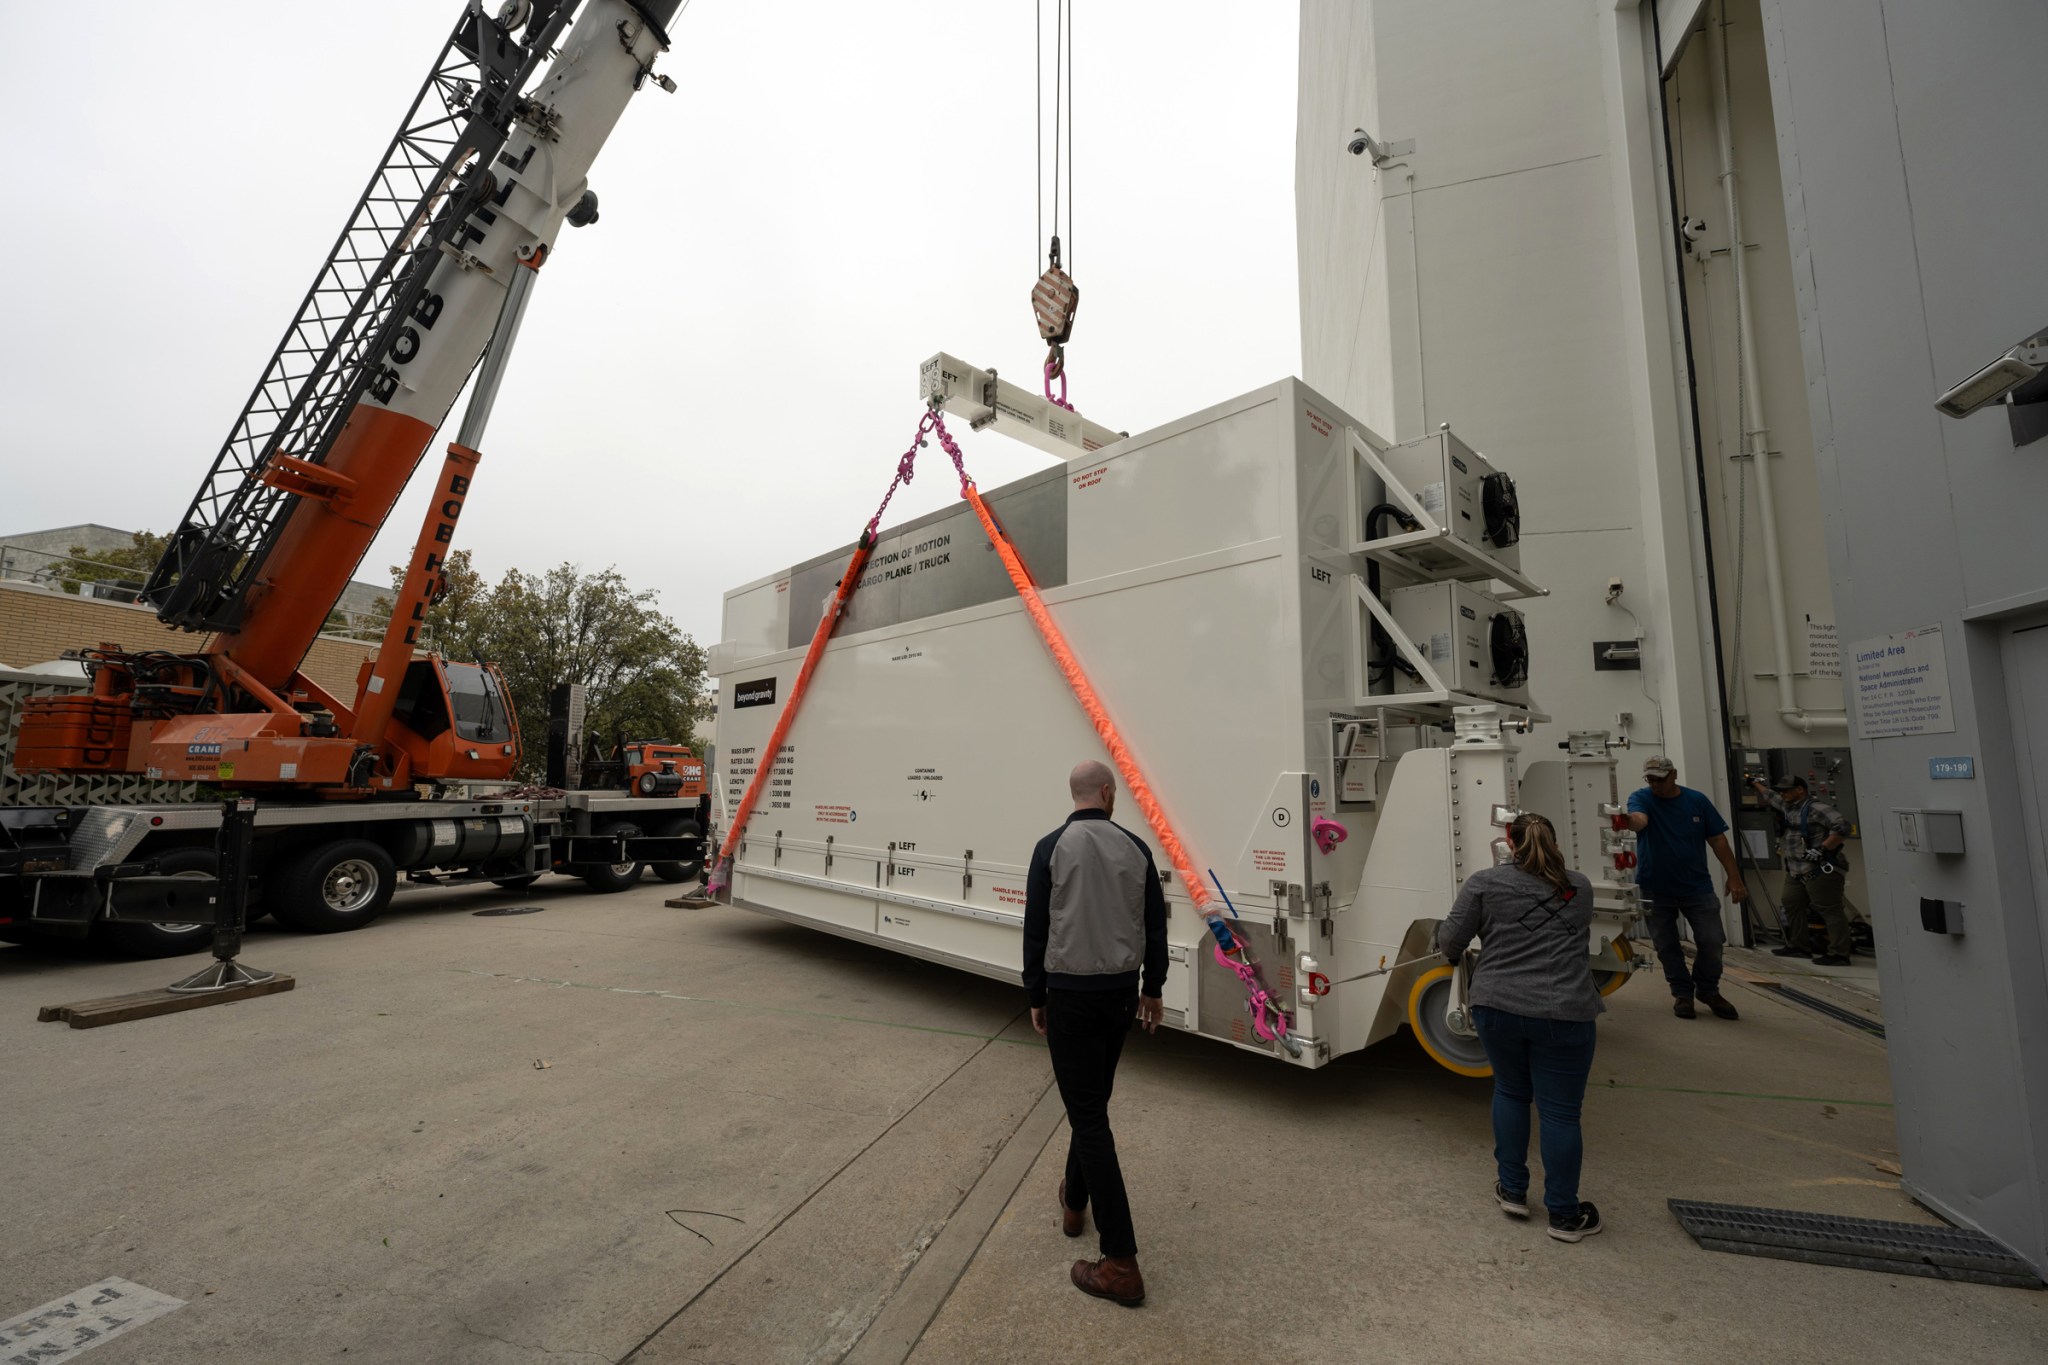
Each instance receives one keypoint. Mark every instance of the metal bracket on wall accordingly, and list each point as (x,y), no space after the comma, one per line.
(967,873)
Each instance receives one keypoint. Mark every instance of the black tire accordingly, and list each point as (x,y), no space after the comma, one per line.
(335,887)
(610,877)
(166,940)
(681,872)
(516,883)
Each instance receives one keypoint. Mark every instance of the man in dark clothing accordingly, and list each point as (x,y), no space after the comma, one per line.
(1675,826)
(1816,870)
(1094,956)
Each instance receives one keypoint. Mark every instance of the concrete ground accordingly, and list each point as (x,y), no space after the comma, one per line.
(613,1130)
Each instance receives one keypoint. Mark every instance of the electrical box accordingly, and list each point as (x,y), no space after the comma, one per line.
(1828,774)
(1467,496)
(1757,831)
(1928,831)
(1356,749)
(1476,645)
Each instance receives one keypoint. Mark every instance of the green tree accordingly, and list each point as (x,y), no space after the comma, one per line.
(129,563)
(644,677)
(132,563)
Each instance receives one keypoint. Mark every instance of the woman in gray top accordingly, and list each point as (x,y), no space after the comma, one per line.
(1533,1002)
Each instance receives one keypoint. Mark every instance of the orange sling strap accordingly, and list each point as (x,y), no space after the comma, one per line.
(1048,630)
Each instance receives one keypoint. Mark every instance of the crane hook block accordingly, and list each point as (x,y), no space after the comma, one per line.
(1054,298)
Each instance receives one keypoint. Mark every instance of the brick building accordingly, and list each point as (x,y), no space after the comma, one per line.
(38,624)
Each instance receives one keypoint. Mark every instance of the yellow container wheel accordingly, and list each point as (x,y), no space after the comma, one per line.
(1428,998)
(1610,980)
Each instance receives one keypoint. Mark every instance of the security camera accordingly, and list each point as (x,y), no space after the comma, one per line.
(1365,144)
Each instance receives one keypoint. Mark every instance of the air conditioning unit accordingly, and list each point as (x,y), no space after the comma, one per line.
(1471,499)
(1476,645)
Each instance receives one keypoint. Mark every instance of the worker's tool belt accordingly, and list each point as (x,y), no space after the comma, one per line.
(1826,867)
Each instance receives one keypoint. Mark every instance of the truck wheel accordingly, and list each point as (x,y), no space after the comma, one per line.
(337,886)
(610,877)
(516,883)
(167,940)
(680,872)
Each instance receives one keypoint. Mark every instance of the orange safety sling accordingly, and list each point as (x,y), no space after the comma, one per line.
(1237,958)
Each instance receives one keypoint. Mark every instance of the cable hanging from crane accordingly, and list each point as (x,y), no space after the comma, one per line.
(1055,297)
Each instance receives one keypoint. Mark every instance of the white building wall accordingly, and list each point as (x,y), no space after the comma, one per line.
(1491,279)
(1735,517)
(1515,275)
(1915,216)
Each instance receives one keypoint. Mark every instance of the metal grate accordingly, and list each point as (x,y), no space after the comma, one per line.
(1938,1252)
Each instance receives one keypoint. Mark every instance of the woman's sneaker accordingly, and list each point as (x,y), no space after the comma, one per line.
(1515,1205)
(1578,1226)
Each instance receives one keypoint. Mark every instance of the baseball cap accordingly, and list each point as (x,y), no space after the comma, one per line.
(1658,766)
(1787,782)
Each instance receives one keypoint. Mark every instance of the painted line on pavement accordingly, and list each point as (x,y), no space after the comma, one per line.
(816,1190)
(897,1329)
(1748,1095)
(65,1328)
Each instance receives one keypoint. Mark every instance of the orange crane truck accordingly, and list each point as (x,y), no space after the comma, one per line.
(422,293)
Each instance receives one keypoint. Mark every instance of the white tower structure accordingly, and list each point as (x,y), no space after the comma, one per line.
(1756,292)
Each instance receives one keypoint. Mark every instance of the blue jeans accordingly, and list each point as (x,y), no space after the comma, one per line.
(1703,913)
(1545,1060)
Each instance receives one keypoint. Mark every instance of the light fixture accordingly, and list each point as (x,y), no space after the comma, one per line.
(2018,365)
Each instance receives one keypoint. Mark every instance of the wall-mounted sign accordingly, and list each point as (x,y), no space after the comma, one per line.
(1823,649)
(1902,685)
(1963,765)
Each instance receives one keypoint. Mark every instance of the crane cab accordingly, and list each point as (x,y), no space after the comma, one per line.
(452,722)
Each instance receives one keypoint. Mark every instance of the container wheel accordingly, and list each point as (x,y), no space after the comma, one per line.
(610,877)
(335,887)
(1427,1000)
(167,940)
(1610,980)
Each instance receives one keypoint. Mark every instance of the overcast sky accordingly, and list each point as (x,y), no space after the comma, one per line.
(714,381)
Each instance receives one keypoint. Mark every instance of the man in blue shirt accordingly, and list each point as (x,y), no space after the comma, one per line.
(1675,826)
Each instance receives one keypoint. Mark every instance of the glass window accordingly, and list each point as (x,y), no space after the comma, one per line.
(480,710)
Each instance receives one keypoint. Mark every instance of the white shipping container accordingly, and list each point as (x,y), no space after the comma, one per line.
(1206,576)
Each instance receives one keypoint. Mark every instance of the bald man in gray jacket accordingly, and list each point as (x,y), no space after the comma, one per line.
(1094,958)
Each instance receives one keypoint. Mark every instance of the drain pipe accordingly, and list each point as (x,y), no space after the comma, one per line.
(1755,433)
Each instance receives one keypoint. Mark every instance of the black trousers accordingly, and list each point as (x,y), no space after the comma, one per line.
(1085,1032)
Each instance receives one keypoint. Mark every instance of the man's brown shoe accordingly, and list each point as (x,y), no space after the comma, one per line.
(1071,1220)
(1115,1278)
(1720,1006)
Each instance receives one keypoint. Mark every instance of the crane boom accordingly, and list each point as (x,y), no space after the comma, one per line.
(423,190)
(471,194)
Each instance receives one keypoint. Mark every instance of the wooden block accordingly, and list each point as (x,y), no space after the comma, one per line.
(119,1009)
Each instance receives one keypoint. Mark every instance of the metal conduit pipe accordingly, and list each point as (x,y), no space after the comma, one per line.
(1754,434)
